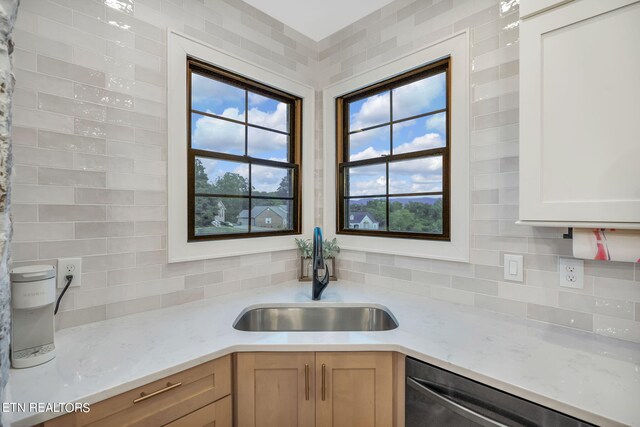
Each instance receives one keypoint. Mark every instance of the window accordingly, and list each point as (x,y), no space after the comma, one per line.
(244,157)
(392,152)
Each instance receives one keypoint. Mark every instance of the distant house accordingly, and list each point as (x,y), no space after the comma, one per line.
(219,218)
(266,217)
(363,220)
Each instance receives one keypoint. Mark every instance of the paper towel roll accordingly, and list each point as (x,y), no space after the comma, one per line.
(607,244)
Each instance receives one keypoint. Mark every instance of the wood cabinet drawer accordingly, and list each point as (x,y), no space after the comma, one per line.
(159,402)
(217,414)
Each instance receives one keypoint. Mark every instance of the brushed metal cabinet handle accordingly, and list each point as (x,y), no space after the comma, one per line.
(459,409)
(306,382)
(144,396)
(324,369)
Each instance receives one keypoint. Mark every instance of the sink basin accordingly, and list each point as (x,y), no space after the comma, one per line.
(315,318)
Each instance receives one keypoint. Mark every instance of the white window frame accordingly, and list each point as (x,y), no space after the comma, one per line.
(179,47)
(457,249)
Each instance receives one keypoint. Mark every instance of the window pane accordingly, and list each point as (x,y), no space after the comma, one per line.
(219,215)
(270,215)
(211,134)
(213,96)
(421,214)
(269,145)
(271,181)
(268,112)
(370,143)
(215,176)
(420,134)
(416,176)
(420,97)
(366,214)
(366,180)
(370,111)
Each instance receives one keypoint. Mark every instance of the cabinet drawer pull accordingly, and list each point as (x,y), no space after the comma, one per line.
(144,396)
(324,369)
(306,382)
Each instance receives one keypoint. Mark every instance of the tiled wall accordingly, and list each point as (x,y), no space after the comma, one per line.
(609,304)
(91,145)
(91,157)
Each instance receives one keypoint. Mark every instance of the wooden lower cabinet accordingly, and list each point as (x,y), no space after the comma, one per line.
(275,389)
(164,401)
(324,389)
(282,389)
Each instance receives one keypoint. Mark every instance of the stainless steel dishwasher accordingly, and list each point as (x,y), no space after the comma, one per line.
(435,397)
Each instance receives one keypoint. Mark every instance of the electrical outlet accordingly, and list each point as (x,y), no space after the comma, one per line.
(66,267)
(571,273)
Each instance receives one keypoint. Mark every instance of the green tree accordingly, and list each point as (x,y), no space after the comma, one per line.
(233,184)
(206,207)
(284,189)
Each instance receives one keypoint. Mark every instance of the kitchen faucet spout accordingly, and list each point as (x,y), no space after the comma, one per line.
(318,284)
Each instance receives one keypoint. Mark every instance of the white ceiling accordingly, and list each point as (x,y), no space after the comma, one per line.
(318,19)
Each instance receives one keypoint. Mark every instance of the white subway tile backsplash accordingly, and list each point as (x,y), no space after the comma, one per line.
(40,194)
(42,120)
(65,213)
(571,319)
(597,305)
(73,178)
(90,149)
(41,231)
(71,107)
(25,155)
(102,96)
(86,230)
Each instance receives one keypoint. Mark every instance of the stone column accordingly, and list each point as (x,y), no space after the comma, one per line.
(8,11)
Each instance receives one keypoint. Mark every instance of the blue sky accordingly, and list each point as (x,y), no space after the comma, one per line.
(208,133)
(413,99)
(407,176)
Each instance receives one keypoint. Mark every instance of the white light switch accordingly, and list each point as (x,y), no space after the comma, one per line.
(513,268)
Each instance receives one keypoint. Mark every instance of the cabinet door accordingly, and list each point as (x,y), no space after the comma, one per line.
(579,113)
(354,389)
(275,389)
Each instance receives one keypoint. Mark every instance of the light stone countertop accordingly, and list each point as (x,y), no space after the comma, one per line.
(593,378)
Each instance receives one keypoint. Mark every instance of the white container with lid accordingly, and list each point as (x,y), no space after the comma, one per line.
(33,286)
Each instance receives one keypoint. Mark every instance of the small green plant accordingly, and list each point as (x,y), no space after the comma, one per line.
(305,247)
(330,248)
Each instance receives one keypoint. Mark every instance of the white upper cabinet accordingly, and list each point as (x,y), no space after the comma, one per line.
(580,113)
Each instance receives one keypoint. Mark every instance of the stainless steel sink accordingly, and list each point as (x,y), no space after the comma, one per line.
(315,318)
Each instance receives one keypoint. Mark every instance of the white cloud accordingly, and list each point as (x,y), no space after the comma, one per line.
(374,110)
(427,164)
(255,99)
(219,135)
(415,98)
(367,153)
(368,187)
(210,92)
(437,122)
(412,176)
(270,119)
(424,142)
(265,178)
(409,100)
(228,137)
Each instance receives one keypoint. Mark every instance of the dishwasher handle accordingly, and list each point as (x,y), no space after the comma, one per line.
(445,401)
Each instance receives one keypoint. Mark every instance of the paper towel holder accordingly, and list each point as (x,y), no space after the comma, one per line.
(568,234)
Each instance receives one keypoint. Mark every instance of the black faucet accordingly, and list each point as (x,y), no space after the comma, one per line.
(319,284)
